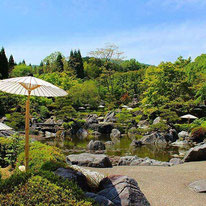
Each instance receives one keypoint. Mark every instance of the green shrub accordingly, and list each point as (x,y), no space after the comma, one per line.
(198,134)
(39,154)
(39,190)
(10,147)
(161,126)
(16,120)
(183,127)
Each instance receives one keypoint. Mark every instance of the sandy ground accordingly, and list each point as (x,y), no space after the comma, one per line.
(166,186)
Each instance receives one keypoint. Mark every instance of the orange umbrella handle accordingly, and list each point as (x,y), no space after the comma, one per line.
(27,132)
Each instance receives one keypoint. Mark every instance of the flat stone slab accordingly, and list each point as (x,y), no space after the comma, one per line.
(89,160)
(198,186)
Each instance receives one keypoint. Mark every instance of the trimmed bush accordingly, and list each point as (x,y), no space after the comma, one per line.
(40,154)
(39,190)
(198,134)
(10,147)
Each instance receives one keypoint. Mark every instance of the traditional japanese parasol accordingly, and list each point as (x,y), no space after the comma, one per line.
(188,117)
(4,127)
(30,86)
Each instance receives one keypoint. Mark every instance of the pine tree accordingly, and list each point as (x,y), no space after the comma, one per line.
(4,66)
(59,63)
(11,63)
(80,68)
(76,63)
(23,62)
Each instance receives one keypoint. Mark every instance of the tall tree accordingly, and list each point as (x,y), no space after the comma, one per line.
(11,63)
(4,66)
(76,63)
(59,63)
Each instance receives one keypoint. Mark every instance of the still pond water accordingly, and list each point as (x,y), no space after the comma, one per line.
(123,149)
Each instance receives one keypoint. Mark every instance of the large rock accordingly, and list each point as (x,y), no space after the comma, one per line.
(122,191)
(110,117)
(176,161)
(154,138)
(92,118)
(143,124)
(136,143)
(96,145)
(115,136)
(137,161)
(105,128)
(89,160)
(198,186)
(100,199)
(49,134)
(183,134)
(82,134)
(132,133)
(182,144)
(157,120)
(73,175)
(197,153)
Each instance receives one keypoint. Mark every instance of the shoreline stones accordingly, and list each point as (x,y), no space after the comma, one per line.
(96,145)
(137,161)
(115,136)
(89,160)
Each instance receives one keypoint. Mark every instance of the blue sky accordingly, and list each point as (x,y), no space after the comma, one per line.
(149,30)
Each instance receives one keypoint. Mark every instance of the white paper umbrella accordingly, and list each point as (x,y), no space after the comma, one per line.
(30,86)
(37,87)
(188,116)
(4,127)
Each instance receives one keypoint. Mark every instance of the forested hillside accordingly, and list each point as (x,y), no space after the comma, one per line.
(104,77)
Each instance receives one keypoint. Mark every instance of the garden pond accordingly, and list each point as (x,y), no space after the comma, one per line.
(74,145)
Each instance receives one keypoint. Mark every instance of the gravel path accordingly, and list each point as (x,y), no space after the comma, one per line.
(166,186)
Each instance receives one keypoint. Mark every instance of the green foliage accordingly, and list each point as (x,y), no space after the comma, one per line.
(39,155)
(16,120)
(92,71)
(183,127)
(62,79)
(66,112)
(4,67)
(76,63)
(44,112)
(124,116)
(161,126)
(10,147)
(88,94)
(11,63)
(21,70)
(42,189)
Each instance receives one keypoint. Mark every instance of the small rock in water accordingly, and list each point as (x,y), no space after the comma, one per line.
(115,136)
(96,145)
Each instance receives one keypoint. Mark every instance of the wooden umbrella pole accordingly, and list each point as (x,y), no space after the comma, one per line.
(27,132)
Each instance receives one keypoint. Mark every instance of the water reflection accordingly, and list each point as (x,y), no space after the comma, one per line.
(74,145)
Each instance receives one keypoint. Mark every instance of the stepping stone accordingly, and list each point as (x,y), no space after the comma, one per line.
(198,186)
